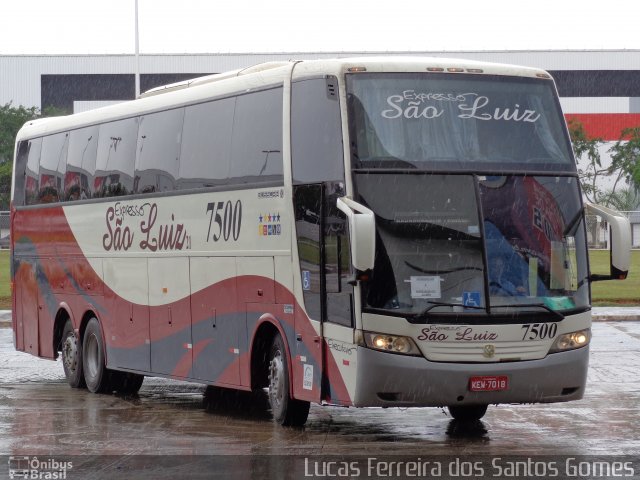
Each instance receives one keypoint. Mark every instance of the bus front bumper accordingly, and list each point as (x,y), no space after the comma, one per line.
(391,380)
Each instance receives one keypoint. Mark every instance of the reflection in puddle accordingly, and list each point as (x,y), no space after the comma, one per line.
(237,403)
(467,430)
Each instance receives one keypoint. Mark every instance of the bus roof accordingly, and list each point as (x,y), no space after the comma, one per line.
(259,76)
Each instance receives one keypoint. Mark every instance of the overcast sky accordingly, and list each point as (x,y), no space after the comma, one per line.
(212,26)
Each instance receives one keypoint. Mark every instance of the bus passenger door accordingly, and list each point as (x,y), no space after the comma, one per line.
(323,251)
(318,175)
(340,358)
(308,223)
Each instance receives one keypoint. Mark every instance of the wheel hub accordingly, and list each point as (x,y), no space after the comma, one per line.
(276,380)
(70,353)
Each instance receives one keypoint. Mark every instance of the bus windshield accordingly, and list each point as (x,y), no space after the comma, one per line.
(456,122)
(521,248)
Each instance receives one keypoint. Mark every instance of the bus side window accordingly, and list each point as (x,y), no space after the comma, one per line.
(336,234)
(115,158)
(206,144)
(31,174)
(308,202)
(316,131)
(256,143)
(81,163)
(158,151)
(20,167)
(53,164)
(337,256)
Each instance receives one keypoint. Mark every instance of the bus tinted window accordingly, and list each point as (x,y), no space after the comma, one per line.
(53,163)
(206,144)
(31,183)
(256,146)
(22,154)
(158,152)
(115,158)
(81,163)
(316,136)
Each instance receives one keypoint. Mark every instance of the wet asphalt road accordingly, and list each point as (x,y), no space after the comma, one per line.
(41,415)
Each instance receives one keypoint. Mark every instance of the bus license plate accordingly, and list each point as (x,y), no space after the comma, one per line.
(489,384)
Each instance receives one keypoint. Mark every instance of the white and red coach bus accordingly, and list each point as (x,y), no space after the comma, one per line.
(358,232)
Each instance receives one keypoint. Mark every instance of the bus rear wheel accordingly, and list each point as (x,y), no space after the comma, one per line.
(71,350)
(286,410)
(467,413)
(96,374)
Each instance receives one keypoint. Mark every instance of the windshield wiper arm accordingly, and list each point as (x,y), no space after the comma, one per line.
(426,311)
(437,272)
(556,314)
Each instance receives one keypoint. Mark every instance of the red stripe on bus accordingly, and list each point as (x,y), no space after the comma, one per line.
(607,126)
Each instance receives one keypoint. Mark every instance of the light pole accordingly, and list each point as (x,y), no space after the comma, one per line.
(137,54)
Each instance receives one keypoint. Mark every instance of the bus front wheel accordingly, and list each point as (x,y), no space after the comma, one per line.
(286,410)
(467,413)
(71,350)
(96,374)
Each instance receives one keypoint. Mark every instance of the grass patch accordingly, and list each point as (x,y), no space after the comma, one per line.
(5,287)
(615,292)
(626,292)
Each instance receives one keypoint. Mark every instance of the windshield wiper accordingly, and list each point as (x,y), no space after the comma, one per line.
(556,314)
(380,161)
(426,311)
(439,272)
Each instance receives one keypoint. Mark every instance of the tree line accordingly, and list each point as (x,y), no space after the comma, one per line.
(623,171)
(11,120)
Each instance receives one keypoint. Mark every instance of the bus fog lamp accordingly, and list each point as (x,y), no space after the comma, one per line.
(571,341)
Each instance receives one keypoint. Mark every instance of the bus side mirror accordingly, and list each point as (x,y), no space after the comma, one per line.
(362,232)
(620,241)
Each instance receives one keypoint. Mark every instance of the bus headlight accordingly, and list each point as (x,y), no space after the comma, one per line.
(390,343)
(571,341)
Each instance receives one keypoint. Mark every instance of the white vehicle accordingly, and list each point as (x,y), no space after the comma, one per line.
(358,232)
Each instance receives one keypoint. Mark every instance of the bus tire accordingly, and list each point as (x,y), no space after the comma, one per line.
(71,349)
(286,410)
(467,413)
(126,383)
(96,374)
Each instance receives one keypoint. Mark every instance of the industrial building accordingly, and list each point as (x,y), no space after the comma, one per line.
(600,88)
